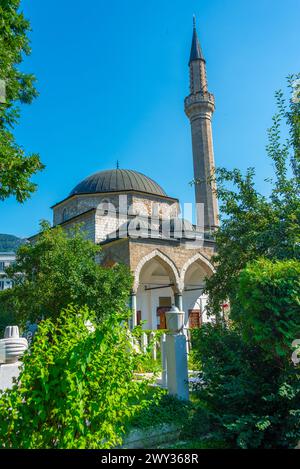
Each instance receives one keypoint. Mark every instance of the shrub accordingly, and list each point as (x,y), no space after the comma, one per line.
(251,391)
(267,306)
(77,386)
(164,409)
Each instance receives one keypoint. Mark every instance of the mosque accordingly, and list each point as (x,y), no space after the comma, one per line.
(138,224)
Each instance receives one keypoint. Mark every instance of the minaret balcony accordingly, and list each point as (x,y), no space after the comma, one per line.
(199,102)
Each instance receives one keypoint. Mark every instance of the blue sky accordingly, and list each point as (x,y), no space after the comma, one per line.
(112,77)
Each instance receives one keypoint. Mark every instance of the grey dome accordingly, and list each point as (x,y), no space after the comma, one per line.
(118,180)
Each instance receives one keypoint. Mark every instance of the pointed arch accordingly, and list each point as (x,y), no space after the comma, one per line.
(164,260)
(200,259)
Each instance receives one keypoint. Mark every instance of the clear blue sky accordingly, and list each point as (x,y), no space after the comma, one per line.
(112,77)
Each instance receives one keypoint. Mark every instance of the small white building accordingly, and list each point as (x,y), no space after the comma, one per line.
(6,259)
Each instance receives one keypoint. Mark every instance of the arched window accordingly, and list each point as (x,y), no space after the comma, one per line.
(104,206)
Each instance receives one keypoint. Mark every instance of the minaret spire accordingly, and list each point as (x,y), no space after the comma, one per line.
(197,64)
(199,107)
(196,51)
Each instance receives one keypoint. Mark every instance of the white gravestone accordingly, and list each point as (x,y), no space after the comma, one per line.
(177,364)
(163,360)
(144,342)
(153,345)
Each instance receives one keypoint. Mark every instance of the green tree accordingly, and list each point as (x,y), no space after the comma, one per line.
(77,386)
(251,396)
(254,225)
(267,307)
(16,168)
(59,268)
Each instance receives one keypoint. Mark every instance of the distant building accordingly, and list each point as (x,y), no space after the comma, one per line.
(6,259)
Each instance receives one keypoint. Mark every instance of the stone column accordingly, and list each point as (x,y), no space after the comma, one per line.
(177,366)
(133,309)
(178,301)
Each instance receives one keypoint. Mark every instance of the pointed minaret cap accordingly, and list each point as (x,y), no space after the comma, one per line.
(196,51)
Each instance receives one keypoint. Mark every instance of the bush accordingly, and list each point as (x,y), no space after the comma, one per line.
(77,387)
(267,306)
(251,391)
(164,409)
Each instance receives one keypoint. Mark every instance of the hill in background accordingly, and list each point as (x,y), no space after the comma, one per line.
(10,243)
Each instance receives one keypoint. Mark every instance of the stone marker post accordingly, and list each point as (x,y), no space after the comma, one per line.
(144,342)
(177,365)
(163,360)
(153,345)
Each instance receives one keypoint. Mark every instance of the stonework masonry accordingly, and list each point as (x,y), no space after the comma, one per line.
(137,204)
(87,224)
(177,253)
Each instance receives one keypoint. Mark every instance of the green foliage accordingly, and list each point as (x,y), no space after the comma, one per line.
(253,225)
(205,443)
(163,409)
(267,305)
(16,168)
(77,387)
(192,362)
(138,331)
(7,316)
(59,269)
(148,365)
(251,391)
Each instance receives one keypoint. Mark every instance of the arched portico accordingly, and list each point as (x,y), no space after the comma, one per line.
(193,275)
(156,286)
(165,261)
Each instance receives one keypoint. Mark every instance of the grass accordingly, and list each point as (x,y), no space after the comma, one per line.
(208,443)
(165,410)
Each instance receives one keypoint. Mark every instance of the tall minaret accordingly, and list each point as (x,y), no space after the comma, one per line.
(199,107)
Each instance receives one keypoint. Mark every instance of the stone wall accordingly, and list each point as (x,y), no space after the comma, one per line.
(75,206)
(87,220)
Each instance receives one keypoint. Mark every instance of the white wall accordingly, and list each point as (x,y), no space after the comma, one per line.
(148,302)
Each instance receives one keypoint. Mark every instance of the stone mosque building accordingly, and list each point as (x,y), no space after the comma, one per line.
(138,224)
